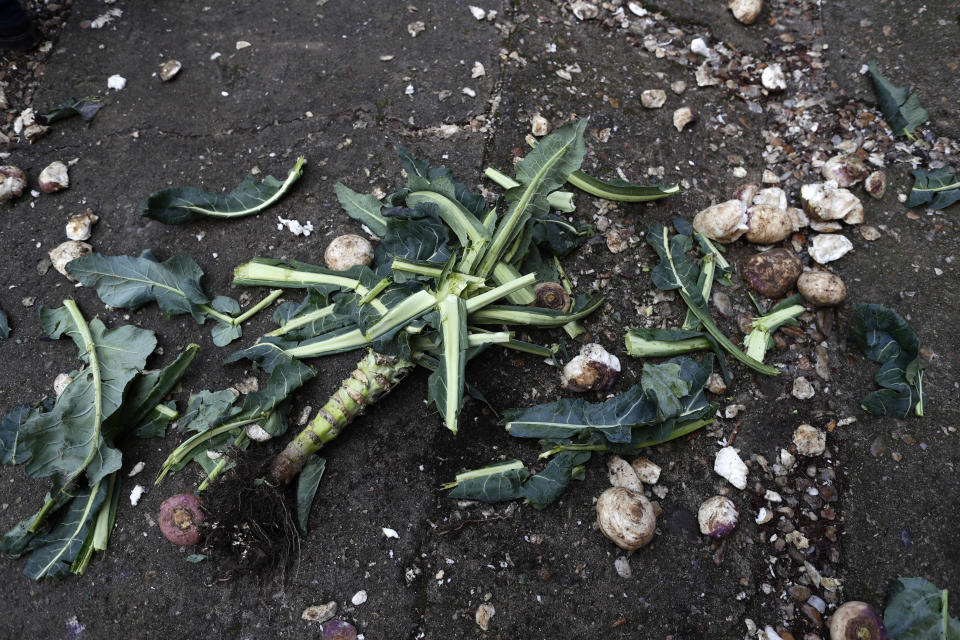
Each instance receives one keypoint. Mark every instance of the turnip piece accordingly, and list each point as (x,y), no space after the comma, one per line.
(856,621)
(180,517)
(339,630)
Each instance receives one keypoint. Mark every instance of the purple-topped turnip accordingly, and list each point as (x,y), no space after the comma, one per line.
(856,621)
(180,518)
(339,630)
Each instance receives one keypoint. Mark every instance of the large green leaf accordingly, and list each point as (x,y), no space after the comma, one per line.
(900,108)
(178,205)
(307,485)
(55,551)
(68,440)
(12,450)
(126,282)
(937,189)
(663,384)
(885,337)
(917,610)
(147,391)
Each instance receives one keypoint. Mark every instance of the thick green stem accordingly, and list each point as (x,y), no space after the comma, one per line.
(375,376)
(239,442)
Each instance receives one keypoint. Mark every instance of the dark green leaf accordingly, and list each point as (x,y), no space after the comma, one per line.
(900,108)
(496,483)
(307,485)
(178,205)
(541,489)
(126,282)
(422,177)
(937,189)
(12,450)
(656,343)
(570,417)
(558,236)
(917,610)
(206,410)
(146,392)
(86,108)
(887,338)
(365,209)
(663,384)
(620,190)
(156,423)
(55,551)
(223,333)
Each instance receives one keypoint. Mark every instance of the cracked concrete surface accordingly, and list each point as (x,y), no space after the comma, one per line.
(313,83)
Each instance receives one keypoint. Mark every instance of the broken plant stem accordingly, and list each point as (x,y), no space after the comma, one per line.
(559,200)
(184,451)
(263,304)
(238,443)
(375,376)
(708,265)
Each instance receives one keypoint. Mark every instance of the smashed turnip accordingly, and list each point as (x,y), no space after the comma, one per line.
(857,621)
(767,224)
(54,177)
(180,519)
(718,516)
(12,182)
(348,251)
(845,170)
(594,368)
(724,222)
(339,630)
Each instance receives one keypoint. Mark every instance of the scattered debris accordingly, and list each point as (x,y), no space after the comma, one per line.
(826,248)
(809,440)
(746,11)
(728,465)
(66,252)
(359,598)
(594,368)
(13,181)
(320,612)
(653,98)
(169,70)
(116,82)
(682,117)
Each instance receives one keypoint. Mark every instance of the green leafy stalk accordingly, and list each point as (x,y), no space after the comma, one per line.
(620,190)
(178,205)
(677,272)
(542,171)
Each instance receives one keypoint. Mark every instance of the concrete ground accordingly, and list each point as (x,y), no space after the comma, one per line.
(344,83)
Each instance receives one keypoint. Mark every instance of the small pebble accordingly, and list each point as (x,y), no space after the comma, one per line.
(802,389)
(653,98)
(809,440)
(622,565)
(359,598)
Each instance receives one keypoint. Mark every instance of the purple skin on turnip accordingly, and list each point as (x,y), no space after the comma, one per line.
(856,621)
(339,630)
(180,517)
